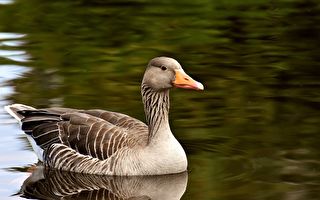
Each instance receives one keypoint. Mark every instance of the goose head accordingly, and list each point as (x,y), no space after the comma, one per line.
(163,73)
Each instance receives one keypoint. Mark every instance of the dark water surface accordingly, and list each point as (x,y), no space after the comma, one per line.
(254,133)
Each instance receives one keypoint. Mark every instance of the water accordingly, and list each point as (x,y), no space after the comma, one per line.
(252,134)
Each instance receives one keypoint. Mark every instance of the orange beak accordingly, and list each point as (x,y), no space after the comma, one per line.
(183,80)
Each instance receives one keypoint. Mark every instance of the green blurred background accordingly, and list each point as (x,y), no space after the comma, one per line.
(252,134)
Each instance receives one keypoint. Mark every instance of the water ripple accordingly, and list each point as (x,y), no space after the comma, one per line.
(12,43)
(5,35)
(8,72)
(5,2)
(11,40)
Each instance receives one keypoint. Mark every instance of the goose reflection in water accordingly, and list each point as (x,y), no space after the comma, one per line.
(53,184)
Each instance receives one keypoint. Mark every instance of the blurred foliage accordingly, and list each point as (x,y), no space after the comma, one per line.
(255,128)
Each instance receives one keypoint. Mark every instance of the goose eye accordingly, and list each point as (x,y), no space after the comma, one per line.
(163,68)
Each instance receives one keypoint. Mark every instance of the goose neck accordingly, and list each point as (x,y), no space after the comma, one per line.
(156,108)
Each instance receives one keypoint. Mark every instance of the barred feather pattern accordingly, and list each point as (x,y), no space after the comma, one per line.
(96,133)
(156,107)
(102,142)
(88,141)
(41,126)
(92,136)
(94,145)
(60,156)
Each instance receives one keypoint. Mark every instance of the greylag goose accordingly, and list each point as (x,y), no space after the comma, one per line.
(110,143)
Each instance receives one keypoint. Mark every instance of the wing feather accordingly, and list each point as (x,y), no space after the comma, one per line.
(100,134)
(96,133)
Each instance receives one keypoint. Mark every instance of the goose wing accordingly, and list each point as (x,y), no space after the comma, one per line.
(96,133)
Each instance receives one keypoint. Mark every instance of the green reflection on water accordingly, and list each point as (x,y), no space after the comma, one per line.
(252,134)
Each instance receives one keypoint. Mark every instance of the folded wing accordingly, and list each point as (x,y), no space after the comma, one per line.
(96,133)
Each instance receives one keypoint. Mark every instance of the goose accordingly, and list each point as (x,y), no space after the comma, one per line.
(110,143)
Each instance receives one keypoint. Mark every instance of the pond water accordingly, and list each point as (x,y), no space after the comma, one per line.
(252,134)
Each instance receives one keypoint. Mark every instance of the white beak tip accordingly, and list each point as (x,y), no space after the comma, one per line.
(200,86)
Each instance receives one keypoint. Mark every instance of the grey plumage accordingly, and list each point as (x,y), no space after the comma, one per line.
(105,142)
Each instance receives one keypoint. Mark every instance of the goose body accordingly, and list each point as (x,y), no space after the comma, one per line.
(110,143)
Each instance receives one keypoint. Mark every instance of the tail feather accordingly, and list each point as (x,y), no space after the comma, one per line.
(39,125)
(30,123)
(14,110)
